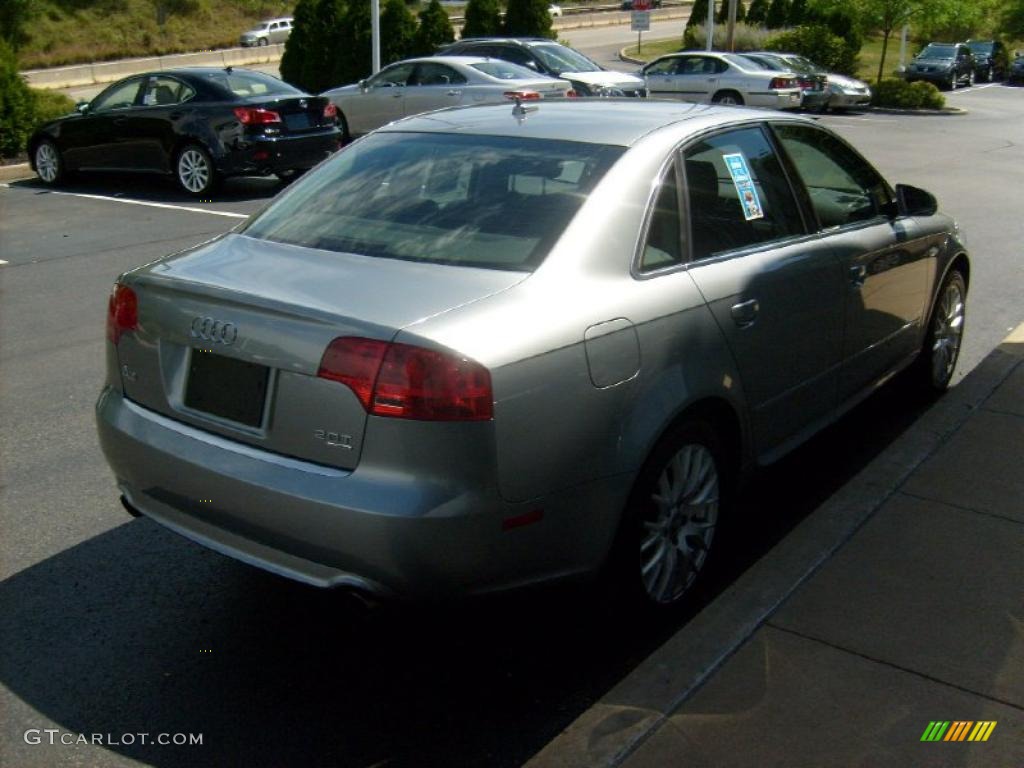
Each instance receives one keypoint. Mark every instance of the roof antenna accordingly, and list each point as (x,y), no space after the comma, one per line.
(520,112)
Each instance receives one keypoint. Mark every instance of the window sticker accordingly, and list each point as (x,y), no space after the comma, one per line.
(737,165)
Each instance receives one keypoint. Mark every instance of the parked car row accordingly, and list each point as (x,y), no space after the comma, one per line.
(204,124)
(950,65)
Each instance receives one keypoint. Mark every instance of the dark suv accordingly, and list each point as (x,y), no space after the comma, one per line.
(945,64)
(554,59)
(991,59)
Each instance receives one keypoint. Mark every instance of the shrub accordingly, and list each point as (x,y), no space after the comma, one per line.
(435,29)
(52,104)
(528,18)
(397,31)
(819,45)
(757,12)
(778,14)
(17,105)
(903,95)
(482,18)
(698,13)
(746,37)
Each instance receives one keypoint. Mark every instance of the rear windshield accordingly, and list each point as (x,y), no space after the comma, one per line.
(480,201)
(245,84)
(502,70)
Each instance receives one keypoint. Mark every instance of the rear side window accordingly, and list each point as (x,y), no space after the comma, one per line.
(738,195)
(663,245)
(842,186)
(483,201)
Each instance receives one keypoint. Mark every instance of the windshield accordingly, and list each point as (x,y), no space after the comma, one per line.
(247,84)
(482,201)
(502,70)
(933,51)
(560,59)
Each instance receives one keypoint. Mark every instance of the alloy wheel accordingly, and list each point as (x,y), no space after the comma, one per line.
(47,162)
(194,170)
(677,535)
(947,332)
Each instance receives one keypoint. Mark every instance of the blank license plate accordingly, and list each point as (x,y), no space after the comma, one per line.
(228,388)
(297,122)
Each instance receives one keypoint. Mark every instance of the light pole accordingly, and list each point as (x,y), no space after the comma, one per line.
(711,25)
(375,33)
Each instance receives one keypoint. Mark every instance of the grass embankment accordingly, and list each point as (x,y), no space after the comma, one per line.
(82,31)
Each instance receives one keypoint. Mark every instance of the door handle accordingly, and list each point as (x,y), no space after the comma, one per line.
(744,314)
(120,120)
(454,93)
(858,274)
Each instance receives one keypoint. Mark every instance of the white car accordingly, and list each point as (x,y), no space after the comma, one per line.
(420,85)
(720,78)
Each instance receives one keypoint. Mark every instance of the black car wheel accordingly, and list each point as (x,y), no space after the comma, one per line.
(953,82)
(728,98)
(194,170)
(49,163)
(990,75)
(970,78)
(264,41)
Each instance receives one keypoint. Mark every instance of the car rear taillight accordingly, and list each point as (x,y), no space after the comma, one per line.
(122,312)
(782,82)
(330,112)
(806,83)
(256,116)
(407,382)
(522,95)
(571,94)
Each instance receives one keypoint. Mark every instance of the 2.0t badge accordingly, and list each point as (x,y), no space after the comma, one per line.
(209,329)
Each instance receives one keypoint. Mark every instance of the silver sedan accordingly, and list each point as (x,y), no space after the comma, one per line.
(720,78)
(490,347)
(420,85)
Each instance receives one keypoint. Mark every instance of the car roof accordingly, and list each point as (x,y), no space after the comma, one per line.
(620,122)
(522,40)
(451,58)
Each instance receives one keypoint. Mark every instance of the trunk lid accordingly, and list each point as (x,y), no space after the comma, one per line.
(231,335)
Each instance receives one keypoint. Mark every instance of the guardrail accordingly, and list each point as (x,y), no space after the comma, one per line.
(108,72)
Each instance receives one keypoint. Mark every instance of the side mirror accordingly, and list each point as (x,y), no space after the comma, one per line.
(82,106)
(915,202)
(363,85)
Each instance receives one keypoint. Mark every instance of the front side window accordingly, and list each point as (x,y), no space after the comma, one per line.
(662,67)
(738,194)
(117,97)
(396,75)
(842,186)
(164,91)
(483,201)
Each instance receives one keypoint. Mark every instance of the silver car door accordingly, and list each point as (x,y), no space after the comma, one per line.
(775,290)
(381,100)
(886,264)
(696,78)
(660,78)
(434,86)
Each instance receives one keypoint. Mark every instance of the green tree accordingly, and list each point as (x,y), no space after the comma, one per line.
(798,13)
(435,29)
(778,14)
(352,42)
(303,47)
(482,18)
(17,104)
(397,31)
(528,18)
(887,16)
(1013,19)
(722,17)
(14,16)
(698,13)
(758,11)
(818,44)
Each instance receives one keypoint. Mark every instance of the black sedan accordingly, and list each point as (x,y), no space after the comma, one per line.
(199,124)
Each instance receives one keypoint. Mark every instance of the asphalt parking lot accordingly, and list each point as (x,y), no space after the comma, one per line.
(114,626)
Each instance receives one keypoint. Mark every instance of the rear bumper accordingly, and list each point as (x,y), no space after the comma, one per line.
(271,154)
(815,99)
(373,529)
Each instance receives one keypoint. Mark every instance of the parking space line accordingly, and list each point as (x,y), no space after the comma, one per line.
(147,203)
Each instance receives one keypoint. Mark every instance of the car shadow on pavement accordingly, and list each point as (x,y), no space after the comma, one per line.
(139,631)
(160,189)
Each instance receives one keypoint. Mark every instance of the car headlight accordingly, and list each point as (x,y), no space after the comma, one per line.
(607,91)
(958,233)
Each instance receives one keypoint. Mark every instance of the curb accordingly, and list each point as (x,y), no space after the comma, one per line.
(945,112)
(613,728)
(16,172)
(630,59)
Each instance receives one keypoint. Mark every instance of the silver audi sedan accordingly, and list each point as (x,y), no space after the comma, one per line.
(494,346)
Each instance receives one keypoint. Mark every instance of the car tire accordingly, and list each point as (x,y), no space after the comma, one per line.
(952,82)
(934,367)
(194,171)
(343,127)
(728,98)
(970,78)
(264,41)
(990,75)
(664,544)
(49,164)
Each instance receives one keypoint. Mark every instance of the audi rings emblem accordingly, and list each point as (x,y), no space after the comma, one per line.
(208,329)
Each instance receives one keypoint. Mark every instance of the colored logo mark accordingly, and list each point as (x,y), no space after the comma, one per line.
(958,730)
